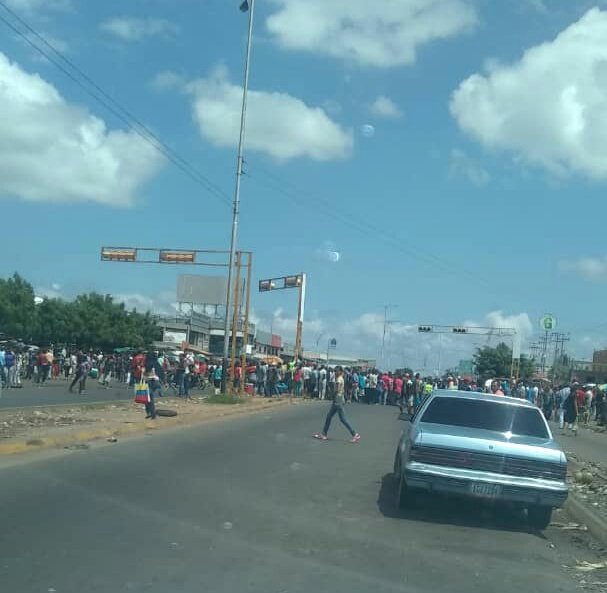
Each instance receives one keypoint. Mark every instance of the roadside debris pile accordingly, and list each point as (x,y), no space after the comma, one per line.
(589,482)
(14,423)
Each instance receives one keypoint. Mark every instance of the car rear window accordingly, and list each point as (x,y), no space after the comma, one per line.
(457,411)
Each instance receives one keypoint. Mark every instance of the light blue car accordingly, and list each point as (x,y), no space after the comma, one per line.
(485,446)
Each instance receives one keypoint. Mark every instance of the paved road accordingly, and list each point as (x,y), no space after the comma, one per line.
(587,444)
(56,392)
(255,504)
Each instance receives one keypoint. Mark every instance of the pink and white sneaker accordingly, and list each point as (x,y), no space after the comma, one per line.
(355,438)
(320,436)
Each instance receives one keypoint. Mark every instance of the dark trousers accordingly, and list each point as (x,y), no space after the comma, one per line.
(80,378)
(339,410)
(150,407)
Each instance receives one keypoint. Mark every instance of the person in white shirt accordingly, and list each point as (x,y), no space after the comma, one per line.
(322,382)
(337,407)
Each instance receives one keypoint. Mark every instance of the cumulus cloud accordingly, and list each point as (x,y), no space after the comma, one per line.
(386,108)
(589,268)
(52,150)
(380,33)
(278,124)
(548,109)
(462,165)
(160,303)
(137,29)
(46,292)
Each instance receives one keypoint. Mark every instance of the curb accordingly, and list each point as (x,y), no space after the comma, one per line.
(582,513)
(29,445)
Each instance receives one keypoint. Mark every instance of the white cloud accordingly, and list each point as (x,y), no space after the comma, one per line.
(589,268)
(161,303)
(168,80)
(386,108)
(33,6)
(136,29)
(381,33)
(548,108)
(51,150)
(463,165)
(54,292)
(278,124)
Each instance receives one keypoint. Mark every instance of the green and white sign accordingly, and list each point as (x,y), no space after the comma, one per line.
(548,322)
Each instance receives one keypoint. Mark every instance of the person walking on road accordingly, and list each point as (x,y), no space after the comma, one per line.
(571,411)
(337,407)
(81,372)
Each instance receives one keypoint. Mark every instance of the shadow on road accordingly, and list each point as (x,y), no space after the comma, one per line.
(436,508)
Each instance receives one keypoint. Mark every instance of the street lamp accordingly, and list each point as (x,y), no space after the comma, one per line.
(294,281)
(246,5)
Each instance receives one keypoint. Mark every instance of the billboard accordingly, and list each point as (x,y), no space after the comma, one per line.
(174,336)
(203,290)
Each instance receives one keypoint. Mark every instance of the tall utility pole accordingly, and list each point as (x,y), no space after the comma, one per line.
(250,4)
(383,338)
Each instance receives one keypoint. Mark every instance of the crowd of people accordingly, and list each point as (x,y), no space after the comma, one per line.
(570,403)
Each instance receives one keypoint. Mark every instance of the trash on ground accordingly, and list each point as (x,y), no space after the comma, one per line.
(586,566)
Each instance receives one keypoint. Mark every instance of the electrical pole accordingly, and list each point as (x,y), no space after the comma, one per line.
(236,204)
(383,339)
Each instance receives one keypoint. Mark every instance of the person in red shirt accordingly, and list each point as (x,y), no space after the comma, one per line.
(580,397)
(137,364)
(398,390)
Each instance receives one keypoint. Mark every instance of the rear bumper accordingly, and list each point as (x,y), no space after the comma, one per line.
(459,482)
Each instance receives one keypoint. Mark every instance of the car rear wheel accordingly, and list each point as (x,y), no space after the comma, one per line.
(539,516)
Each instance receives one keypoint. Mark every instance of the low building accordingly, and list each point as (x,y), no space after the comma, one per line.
(267,344)
(201,331)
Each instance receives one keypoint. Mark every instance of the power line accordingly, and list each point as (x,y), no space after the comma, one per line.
(364,226)
(112,105)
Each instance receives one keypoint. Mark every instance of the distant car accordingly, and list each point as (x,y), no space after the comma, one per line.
(486,446)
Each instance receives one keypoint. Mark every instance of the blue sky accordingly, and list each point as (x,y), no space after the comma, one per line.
(452,152)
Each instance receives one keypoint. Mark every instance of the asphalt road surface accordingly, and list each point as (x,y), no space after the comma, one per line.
(254,504)
(56,392)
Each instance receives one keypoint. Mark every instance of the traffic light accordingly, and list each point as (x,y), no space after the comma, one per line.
(459,330)
(266,285)
(424,328)
(118,254)
(292,281)
(176,257)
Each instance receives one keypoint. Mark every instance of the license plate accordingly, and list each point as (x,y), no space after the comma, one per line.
(486,490)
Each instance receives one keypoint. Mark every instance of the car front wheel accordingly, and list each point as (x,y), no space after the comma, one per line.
(539,516)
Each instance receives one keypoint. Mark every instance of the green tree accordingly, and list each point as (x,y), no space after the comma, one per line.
(497,362)
(17,308)
(89,321)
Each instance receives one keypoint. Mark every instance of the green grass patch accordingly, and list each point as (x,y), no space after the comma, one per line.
(224,399)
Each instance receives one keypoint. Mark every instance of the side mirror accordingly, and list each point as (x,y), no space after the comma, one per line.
(405,416)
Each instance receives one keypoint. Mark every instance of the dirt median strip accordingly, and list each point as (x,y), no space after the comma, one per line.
(113,421)
(582,511)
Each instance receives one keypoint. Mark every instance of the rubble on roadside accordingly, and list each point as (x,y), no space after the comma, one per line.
(588,481)
(14,423)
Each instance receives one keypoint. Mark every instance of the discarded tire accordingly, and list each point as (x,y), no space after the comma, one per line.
(166,413)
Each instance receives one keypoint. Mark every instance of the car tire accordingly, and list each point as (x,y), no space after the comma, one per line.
(396,465)
(166,413)
(539,516)
(403,494)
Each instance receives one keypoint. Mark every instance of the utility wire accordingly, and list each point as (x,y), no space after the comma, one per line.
(111,104)
(301,199)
